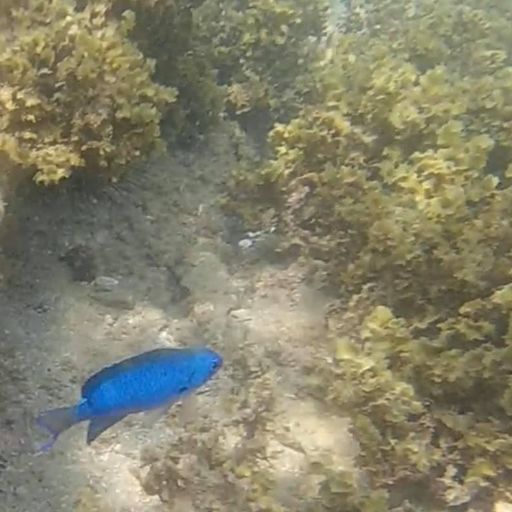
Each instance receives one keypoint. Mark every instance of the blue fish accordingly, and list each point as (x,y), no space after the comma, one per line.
(151,380)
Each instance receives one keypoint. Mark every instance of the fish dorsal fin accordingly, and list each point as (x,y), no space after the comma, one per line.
(109,372)
(98,425)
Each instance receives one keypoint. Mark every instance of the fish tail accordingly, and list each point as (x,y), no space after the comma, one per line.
(56,421)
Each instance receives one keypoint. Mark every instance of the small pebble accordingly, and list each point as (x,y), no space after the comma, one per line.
(105,283)
(245,243)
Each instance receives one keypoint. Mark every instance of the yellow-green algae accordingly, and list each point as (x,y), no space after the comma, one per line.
(75,92)
(89,85)
(398,177)
(263,50)
(172,33)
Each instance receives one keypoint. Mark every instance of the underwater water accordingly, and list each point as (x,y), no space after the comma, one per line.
(318,191)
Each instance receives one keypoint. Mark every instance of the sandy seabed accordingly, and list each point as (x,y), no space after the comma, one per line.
(166,272)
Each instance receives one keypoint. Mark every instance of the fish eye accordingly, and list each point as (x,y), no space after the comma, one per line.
(215,365)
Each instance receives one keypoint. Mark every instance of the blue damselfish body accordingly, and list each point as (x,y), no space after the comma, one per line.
(151,380)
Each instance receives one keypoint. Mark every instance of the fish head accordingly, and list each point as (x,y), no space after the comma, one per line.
(206,364)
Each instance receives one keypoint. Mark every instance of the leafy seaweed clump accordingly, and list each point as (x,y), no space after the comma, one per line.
(264,51)
(398,177)
(169,32)
(75,92)
(90,84)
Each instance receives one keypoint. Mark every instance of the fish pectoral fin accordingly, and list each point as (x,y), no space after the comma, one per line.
(98,425)
(187,411)
(154,415)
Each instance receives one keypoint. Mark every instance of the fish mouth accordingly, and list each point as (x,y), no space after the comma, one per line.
(217,364)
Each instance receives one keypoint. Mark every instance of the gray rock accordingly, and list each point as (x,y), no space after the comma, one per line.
(105,284)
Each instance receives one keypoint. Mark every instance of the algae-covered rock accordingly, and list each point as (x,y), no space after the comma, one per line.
(75,94)
(264,51)
(170,33)
(397,177)
(81,80)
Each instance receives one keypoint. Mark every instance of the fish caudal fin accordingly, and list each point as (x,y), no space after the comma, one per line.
(56,421)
